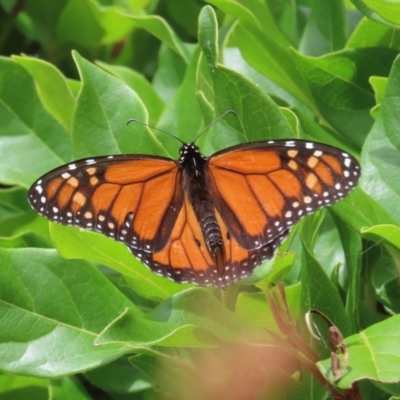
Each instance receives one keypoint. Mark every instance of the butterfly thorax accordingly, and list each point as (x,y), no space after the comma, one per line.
(196,184)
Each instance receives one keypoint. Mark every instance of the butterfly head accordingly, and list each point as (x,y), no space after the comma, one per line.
(190,152)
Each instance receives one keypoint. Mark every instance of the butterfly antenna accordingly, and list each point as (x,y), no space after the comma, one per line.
(154,127)
(214,122)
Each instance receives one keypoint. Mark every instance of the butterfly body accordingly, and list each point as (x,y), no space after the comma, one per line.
(206,220)
(197,187)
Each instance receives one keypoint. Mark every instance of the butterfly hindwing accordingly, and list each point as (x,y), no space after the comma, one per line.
(132,199)
(261,189)
(186,258)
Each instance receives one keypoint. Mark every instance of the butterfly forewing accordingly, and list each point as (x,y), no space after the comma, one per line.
(261,189)
(133,199)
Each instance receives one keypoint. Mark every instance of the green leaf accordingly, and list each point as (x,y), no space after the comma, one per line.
(369,33)
(193,318)
(352,246)
(53,89)
(170,73)
(233,59)
(68,387)
(13,387)
(389,233)
(84,15)
(318,291)
(163,376)
(254,16)
(373,354)
(258,117)
(252,307)
(326,28)
(14,200)
(277,64)
(40,19)
(17,224)
(388,10)
(139,333)
(264,46)
(141,86)
(29,239)
(182,115)
(370,212)
(377,11)
(160,28)
(386,283)
(116,23)
(51,311)
(208,38)
(119,376)
(31,140)
(379,86)
(274,270)
(381,152)
(339,84)
(103,107)
(391,103)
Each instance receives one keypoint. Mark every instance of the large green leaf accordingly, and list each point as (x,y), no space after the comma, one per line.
(51,311)
(340,87)
(52,88)
(326,28)
(141,86)
(103,107)
(32,141)
(381,152)
(383,11)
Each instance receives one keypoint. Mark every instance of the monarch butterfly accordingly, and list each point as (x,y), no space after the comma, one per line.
(205,220)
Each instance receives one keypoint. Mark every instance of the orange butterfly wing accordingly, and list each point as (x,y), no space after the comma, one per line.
(262,188)
(133,199)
